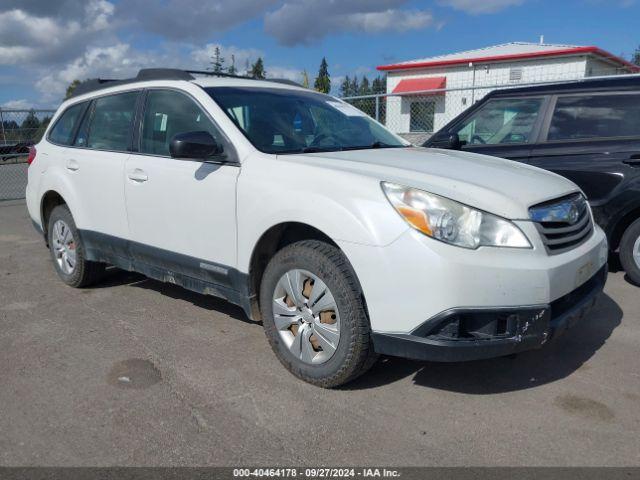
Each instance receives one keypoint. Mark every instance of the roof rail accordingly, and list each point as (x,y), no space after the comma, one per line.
(147,74)
(284,81)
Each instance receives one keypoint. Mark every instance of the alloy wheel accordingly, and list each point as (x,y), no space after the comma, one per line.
(64,247)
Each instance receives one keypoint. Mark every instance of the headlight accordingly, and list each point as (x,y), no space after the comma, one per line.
(452,222)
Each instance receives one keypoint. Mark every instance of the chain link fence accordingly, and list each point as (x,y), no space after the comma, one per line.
(416,115)
(19,129)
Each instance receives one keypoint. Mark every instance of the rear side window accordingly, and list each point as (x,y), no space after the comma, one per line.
(168,113)
(595,116)
(501,121)
(110,127)
(64,129)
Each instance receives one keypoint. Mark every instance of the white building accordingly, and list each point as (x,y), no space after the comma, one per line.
(451,83)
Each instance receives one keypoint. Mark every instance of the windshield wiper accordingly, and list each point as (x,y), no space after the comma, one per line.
(376,144)
(321,149)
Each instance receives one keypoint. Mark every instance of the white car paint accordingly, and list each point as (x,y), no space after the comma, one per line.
(221,216)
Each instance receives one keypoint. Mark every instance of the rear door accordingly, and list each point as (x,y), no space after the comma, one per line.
(95,166)
(594,140)
(502,127)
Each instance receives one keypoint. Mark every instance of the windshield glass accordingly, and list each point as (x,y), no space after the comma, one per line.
(281,121)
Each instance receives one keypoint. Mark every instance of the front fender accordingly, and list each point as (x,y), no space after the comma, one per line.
(344,206)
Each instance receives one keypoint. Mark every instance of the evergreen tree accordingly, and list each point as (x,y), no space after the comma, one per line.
(323,80)
(379,85)
(305,79)
(217,61)
(635,58)
(354,85)
(232,70)
(364,89)
(257,70)
(345,87)
(31,122)
(72,86)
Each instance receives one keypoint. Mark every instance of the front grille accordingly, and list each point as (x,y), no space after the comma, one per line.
(563,223)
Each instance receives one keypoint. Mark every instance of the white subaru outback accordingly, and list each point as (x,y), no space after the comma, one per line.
(341,237)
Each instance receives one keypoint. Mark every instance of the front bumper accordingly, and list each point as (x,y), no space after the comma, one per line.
(473,334)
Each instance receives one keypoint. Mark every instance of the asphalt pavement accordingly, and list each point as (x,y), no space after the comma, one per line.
(137,372)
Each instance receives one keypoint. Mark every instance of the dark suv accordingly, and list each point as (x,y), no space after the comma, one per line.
(587,131)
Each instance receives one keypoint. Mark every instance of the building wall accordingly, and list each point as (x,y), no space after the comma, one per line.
(460,78)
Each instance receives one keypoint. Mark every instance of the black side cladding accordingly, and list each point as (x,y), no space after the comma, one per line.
(198,275)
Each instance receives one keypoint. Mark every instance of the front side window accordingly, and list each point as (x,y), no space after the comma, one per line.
(422,115)
(168,113)
(278,120)
(110,127)
(595,116)
(501,121)
(64,129)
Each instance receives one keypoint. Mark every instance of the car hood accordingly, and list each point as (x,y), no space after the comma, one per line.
(502,187)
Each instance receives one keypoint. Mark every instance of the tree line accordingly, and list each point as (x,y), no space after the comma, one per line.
(321,83)
(31,128)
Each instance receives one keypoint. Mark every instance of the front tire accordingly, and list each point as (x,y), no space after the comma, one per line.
(630,251)
(314,316)
(67,251)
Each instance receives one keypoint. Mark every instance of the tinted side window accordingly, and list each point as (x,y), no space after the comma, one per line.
(110,127)
(501,121)
(62,132)
(595,116)
(168,113)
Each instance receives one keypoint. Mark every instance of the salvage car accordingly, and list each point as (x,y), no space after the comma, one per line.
(343,239)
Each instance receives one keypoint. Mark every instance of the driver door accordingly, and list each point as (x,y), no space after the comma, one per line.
(503,127)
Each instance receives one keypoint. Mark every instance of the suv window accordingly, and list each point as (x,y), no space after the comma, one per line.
(110,126)
(501,121)
(168,113)
(62,132)
(595,116)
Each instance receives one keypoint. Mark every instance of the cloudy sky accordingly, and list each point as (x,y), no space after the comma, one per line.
(45,44)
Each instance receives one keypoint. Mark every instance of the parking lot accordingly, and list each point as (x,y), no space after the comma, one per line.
(136,372)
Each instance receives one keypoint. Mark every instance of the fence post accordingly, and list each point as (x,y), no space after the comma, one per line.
(4,136)
(377,108)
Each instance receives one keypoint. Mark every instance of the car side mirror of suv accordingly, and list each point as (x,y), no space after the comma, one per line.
(454,142)
(194,145)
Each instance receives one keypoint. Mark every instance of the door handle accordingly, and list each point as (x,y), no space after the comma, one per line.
(138,176)
(633,160)
(72,165)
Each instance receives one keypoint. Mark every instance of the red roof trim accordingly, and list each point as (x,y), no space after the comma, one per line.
(421,85)
(517,56)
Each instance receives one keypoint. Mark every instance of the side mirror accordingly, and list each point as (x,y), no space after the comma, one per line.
(454,142)
(194,145)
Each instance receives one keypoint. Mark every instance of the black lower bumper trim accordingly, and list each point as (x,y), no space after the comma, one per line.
(531,328)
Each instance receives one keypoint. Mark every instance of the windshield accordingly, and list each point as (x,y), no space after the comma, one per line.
(282,121)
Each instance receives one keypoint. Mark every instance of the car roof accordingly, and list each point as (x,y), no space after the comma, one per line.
(582,85)
(202,78)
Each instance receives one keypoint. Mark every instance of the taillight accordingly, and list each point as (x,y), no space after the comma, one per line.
(32,155)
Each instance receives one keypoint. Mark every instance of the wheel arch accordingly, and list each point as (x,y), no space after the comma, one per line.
(621,226)
(272,241)
(49,201)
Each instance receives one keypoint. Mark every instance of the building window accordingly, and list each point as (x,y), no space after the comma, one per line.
(421,116)
(515,74)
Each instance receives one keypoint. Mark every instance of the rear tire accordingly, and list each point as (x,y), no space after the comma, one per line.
(330,323)
(630,251)
(67,251)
